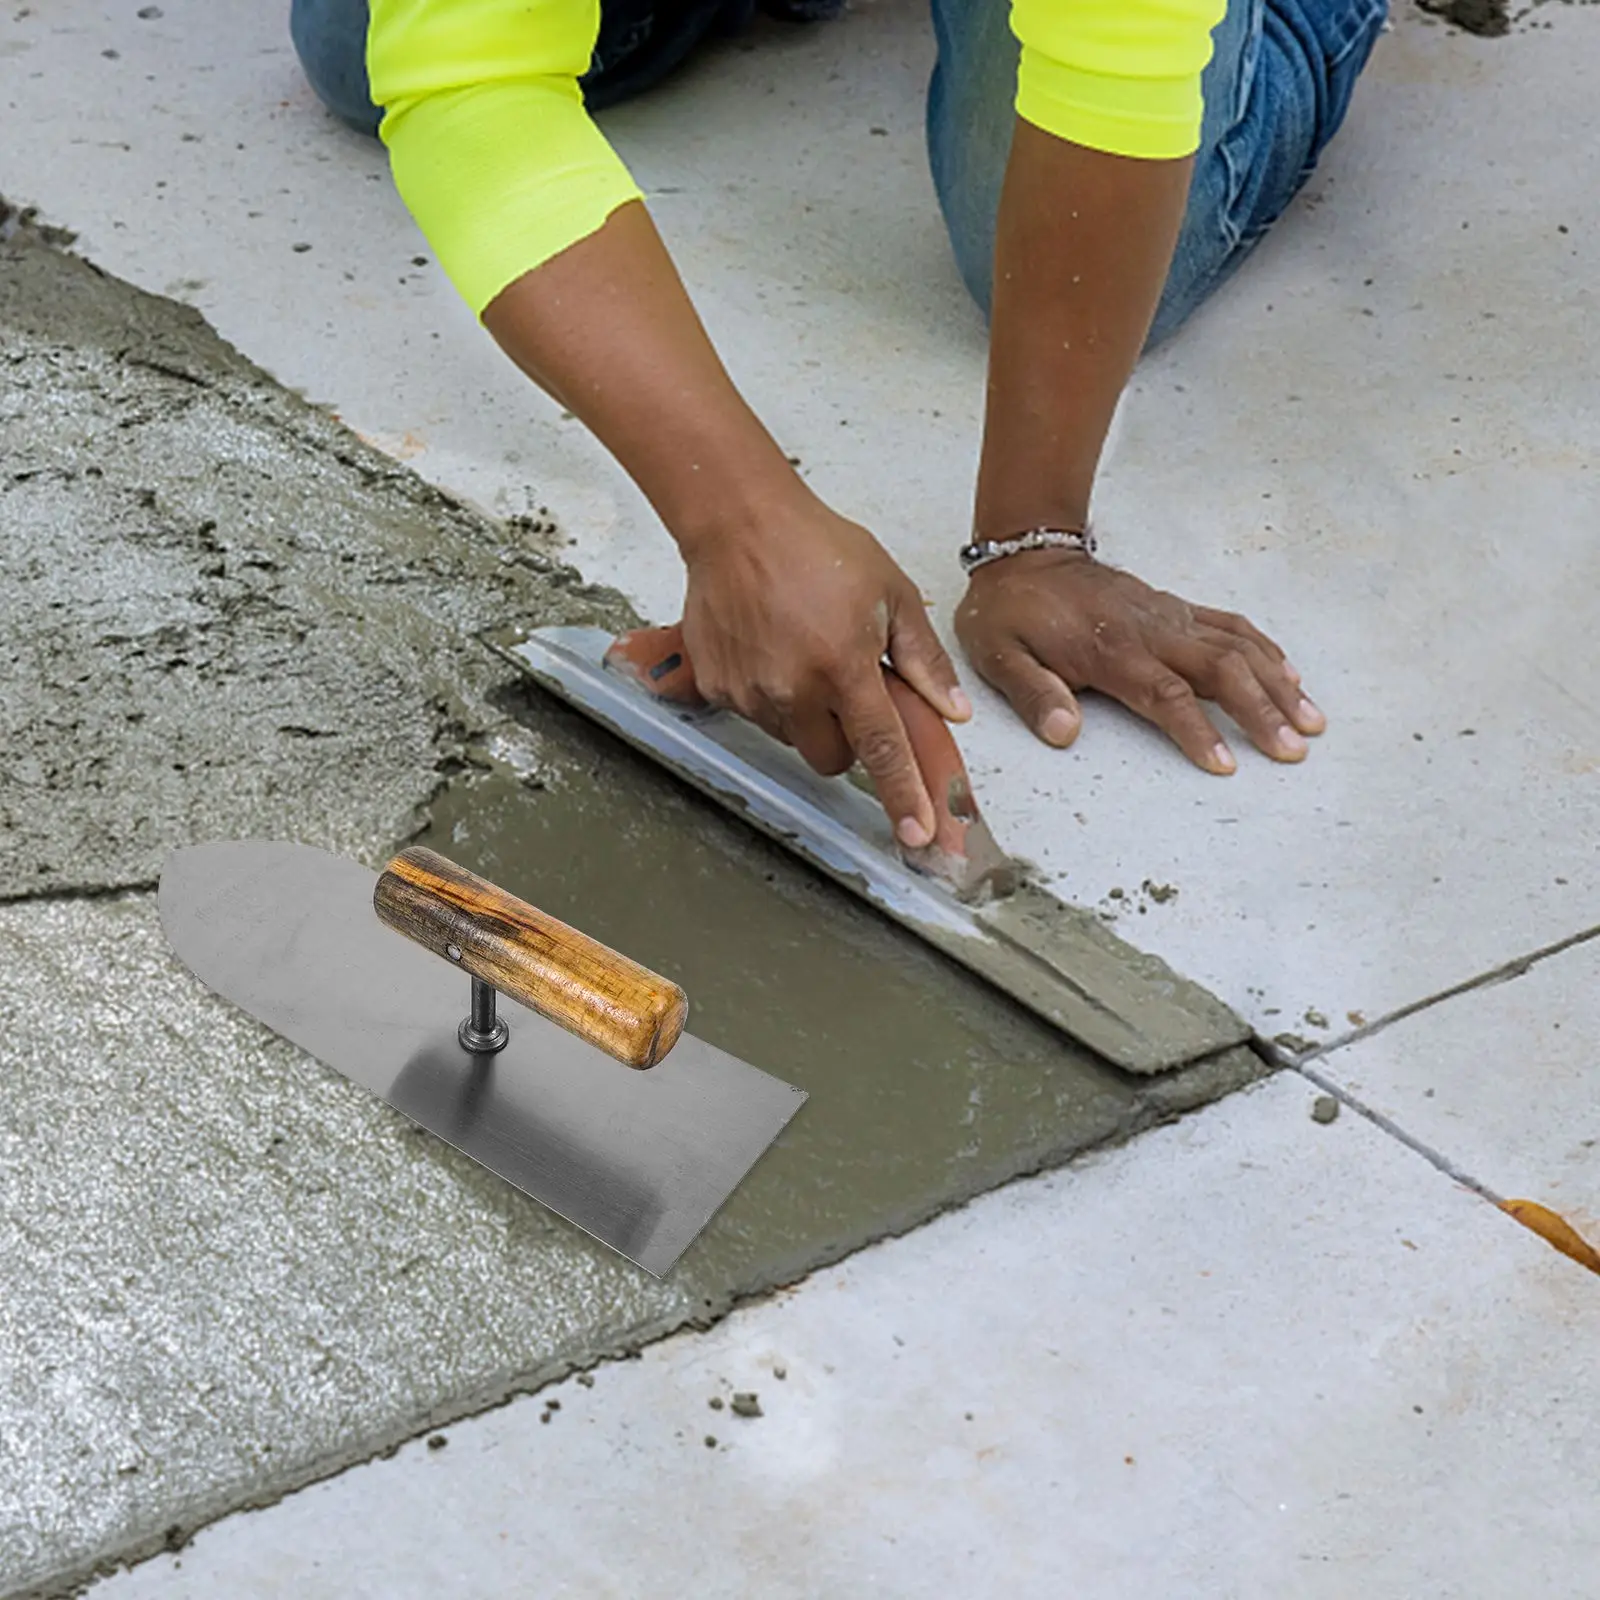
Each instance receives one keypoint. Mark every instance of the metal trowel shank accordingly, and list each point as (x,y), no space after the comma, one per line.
(556,1063)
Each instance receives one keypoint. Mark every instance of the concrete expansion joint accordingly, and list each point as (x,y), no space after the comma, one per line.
(1517,967)
(1434,1157)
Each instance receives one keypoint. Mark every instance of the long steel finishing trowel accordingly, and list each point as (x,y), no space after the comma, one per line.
(963,896)
(536,1068)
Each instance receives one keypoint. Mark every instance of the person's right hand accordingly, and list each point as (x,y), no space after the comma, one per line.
(788,624)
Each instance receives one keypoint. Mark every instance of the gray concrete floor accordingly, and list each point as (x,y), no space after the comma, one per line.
(1377,442)
(228,1270)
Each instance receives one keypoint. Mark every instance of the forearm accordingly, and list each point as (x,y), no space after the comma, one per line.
(608,330)
(1083,244)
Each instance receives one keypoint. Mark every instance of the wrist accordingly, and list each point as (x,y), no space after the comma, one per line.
(1077,541)
(1005,516)
(1026,564)
(713,510)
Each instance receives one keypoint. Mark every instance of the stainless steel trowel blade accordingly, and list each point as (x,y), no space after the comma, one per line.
(641,1160)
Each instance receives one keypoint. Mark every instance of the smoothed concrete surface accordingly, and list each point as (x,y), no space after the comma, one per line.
(227,1270)
(1248,1357)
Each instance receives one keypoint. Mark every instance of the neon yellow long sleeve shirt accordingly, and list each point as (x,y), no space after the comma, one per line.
(502,167)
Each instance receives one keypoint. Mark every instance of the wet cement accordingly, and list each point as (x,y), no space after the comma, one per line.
(228,1271)
(220,613)
(927,1085)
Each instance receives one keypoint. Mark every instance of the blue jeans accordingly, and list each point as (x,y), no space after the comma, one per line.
(1276,91)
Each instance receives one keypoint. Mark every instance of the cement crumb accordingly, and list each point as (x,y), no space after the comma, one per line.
(1488,19)
(746,1405)
(1324,1109)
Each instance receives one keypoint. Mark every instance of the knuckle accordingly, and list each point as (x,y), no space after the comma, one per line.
(780,698)
(831,662)
(1033,702)
(1169,692)
(1106,636)
(714,689)
(880,752)
(1233,662)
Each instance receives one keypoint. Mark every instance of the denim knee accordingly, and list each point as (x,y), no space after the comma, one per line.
(1297,69)
(1277,86)
(330,37)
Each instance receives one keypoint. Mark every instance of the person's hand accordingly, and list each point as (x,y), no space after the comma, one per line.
(1043,624)
(788,625)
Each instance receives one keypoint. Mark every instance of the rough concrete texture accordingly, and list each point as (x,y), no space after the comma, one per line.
(228,1271)
(221,613)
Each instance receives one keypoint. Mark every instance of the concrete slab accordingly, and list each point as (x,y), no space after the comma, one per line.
(227,1270)
(223,615)
(1247,1356)
(1391,474)
(1502,1081)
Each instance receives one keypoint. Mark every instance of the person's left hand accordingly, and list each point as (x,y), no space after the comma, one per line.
(1042,624)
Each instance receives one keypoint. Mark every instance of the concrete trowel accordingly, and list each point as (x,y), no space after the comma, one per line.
(555,1062)
(961,894)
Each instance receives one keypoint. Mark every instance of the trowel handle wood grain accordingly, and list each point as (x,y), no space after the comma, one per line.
(606,999)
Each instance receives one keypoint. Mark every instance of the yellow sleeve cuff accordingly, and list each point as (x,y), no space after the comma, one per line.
(1121,76)
(502,176)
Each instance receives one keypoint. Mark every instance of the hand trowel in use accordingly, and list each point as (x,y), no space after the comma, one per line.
(960,894)
(556,1063)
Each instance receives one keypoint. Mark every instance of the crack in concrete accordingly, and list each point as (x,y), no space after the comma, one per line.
(1518,967)
(1276,1056)
(1434,1157)
(86,891)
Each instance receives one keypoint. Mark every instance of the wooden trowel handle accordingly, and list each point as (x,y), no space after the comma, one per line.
(614,1003)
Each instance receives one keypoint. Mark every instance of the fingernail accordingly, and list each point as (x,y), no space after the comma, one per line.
(1290,742)
(1310,715)
(960,704)
(1057,727)
(1291,669)
(912,833)
(1222,759)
